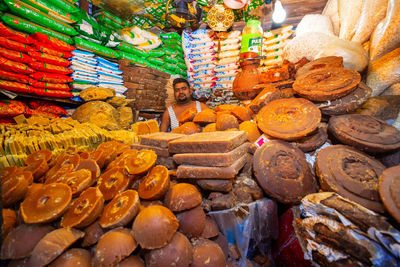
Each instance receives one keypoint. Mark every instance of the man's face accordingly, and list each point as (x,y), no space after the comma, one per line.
(182,93)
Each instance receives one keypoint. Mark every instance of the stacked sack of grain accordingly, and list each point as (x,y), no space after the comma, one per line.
(200,57)
(273,43)
(84,73)
(109,76)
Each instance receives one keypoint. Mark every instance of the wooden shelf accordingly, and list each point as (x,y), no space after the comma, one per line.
(54,99)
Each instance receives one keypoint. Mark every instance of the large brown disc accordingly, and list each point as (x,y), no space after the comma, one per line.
(154,227)
(121,159)
(58,176)
(326,83)
(92,166)
(113,247)
(78,181)
(155,184)
(182,196)
(61,161)
(187,115)
(73,257)
(389,190)
(14,187)
(85,209)
(289,119)
(121,210)
(110,151)
(39,155)
(347,103)
(283,172)
(365,132)
(52,245)
(45,203)
(99,157)
(313,140)
(17,245)
(322,62)
(38,168)
(350,173)
(112,182)
(144,160)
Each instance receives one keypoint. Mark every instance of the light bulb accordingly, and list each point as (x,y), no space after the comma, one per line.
(279,14)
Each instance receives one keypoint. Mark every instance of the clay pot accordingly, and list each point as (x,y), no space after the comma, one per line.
(178,252)
(245,80)
(113,247)
(182,196)
(154,227)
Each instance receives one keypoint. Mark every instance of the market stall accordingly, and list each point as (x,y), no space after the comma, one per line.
(290,156)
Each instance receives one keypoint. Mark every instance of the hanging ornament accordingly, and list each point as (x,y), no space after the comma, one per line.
(220,18)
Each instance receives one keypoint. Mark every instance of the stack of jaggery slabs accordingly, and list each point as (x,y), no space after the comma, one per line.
(158,142)
(210,155)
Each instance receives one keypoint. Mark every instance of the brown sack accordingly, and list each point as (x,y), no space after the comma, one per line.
(386,35)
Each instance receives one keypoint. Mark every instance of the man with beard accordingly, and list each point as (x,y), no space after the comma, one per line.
(183,97)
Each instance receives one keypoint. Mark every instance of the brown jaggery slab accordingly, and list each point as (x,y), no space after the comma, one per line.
(160,139)
(161,152)
(212,159)
(350,173)
(168,162)
(322,62)
(208,142)
(202,172)
(326,83)
(347,103)
(365,133)
(283,172)
(215,185)
(389,190)
(314,140)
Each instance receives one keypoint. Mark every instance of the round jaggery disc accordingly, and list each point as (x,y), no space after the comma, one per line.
(73,257)
(212,127)
(289,119)
(45,203)
(58,169)
(365,132)
(205,116)
(326,83)
(84,154)
(92,234)
(52,245)
(121,159)
(92,166)
(131,261)
(9,221)
(241,113)
(99,156)
(14,187)
(78,181)
(155,184)
(250,127)
(85,209)
(7,171)
(350,173)
(178,252)
(187,115)
(226,122)
(144,160)
(313,140)
(283,172)
(347,103)
(210,228)
(389,190)
(154,227)
(182,196)
(113,182)
(110,151)
(58,176)
(113,247)
(224,107)
(322,62)
(192,222)
(39,155)
(187,128)
(207,253)
(121,210)
(17,245)
(38,168)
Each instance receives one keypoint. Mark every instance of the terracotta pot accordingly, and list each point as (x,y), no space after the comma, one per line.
(246,80)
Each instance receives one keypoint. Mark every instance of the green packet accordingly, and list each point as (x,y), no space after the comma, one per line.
(170,35)
(96,48)
(156,53)
(133,58)
(123,46)
(155,61)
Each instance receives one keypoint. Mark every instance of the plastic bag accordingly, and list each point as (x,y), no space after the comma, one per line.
(48,107)
(50,86)
(52,42)
(55,12)
(95,48)
(386,35)
(10,76)
(50,68)
(14,86)
(354,55)
(13,45)
(45,49)
(15,56)
(251,227)
(9,65)
(12,108)
(312,23)
(51,77)
(349,13)
(47,58)
(14,35)
(331,10)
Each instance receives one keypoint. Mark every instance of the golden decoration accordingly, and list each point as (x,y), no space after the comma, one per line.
(220,18)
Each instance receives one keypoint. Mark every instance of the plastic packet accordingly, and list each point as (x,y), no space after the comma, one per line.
(226,73)
(227,60)
(227,67)
(349,13)
(203,62)
(203,73)
(230,47)
(203,56)
(203,67)
(229,53)
(204,80)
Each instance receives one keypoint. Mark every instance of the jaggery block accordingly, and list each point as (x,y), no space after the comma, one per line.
(208,142)
(168,162)
(201,172)
(212,159)
(161,152)
(159,139)
(215,185)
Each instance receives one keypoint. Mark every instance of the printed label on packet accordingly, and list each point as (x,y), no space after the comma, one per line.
(261,140)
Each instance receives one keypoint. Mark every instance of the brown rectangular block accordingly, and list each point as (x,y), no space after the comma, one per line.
(168,162)
(209,142)
(161,152)
(212,159)
(220,185)
(149,76)
(202,172)
(160,73)
(160,139)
